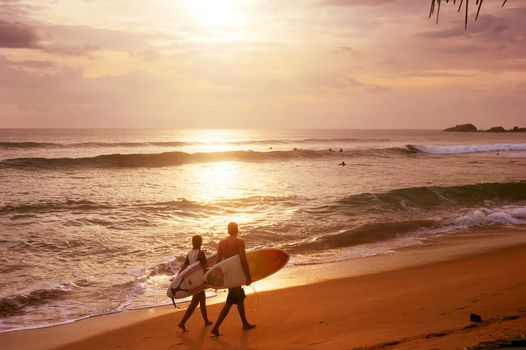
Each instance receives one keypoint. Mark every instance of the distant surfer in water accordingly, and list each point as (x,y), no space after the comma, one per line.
(228,247)
(196,254)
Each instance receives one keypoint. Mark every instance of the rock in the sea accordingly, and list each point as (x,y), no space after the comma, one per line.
(497,129)
(463,128)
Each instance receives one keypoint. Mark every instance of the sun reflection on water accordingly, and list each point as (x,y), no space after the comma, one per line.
(222,185)
(216,181)
(215,140)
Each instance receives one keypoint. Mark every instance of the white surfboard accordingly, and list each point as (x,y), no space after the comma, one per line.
(190,281)
(261,263)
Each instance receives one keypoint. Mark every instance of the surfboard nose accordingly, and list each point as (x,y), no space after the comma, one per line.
(281,258)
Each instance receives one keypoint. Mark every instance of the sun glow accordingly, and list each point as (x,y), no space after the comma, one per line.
(216,14)
(215,140)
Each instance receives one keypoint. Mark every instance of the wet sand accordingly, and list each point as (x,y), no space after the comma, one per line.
(422,307)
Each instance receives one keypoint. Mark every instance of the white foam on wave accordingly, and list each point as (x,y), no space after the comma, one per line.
(507,215)
(461,149)
(484,217)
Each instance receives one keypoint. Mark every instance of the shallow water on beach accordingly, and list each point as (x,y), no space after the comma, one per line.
(97,221)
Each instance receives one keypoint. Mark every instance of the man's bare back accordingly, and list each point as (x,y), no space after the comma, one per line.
(230,246)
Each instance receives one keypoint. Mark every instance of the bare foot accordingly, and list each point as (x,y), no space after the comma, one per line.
(183,327)
(208,323)
(215,333)
(248,326)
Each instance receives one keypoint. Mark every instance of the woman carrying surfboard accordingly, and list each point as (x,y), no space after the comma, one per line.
(228,247)
(196,254)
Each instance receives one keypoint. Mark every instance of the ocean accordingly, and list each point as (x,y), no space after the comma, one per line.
(98,221)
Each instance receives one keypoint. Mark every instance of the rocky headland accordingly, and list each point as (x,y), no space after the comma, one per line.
(472,128)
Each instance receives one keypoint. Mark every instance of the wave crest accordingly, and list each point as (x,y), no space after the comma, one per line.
(15,304)
(36,145)
(181,158)
(428,197)
(45,207)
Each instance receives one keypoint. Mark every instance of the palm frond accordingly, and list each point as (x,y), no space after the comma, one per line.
(435,7)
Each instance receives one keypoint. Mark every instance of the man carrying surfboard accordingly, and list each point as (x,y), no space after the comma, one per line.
(228,247)
(196,254)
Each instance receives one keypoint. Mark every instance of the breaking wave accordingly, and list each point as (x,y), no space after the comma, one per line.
(15,304)
(383,232)
(46,207)
(432,196)
(48,145)
(417,199)
(181,158)
(180,206)
(408,212)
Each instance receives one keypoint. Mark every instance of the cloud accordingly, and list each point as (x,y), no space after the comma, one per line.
(492,27)
(28,64)
(72,49)
(355,3)
(147,55)
(495,43)
(348,58)
(346,50)
(84,40)
(15,10)
(339,82)
(16,35)
(51,84)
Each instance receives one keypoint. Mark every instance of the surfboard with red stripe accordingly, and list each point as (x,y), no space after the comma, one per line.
(261,263)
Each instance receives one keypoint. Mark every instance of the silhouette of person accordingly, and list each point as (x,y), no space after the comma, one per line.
(196,254)
(228,247)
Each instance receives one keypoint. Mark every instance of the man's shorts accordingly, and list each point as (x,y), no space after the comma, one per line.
(235,295)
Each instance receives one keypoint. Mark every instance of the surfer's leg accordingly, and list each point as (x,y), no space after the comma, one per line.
(241,310)
(189,312)
(202,306)
(221,318)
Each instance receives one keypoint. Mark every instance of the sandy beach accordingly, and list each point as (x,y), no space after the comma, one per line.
(420,307)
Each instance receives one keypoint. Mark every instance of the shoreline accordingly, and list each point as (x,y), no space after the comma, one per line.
(446,252)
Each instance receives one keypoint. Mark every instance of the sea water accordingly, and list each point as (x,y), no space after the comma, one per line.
(98,221)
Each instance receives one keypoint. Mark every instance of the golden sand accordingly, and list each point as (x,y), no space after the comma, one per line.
(421,307)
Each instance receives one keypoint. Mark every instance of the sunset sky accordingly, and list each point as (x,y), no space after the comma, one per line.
(260,64)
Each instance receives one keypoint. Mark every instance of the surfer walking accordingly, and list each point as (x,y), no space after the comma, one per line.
(196,254)
(227,248)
